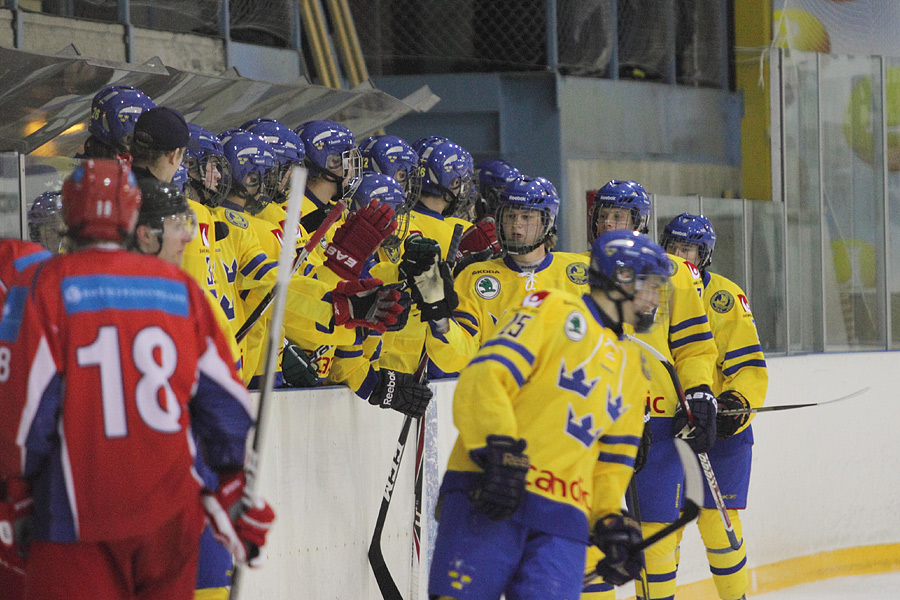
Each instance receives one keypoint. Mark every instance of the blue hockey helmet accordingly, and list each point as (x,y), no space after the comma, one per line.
(289,150)
(422,143)
(254,169)
(492,176)
(180,178)
(331,153)
(390,155)
(114,111)
(445,174)
(691,229)
(629,262)
(209,172)
(628,195)
(45,221)
(385,189)
(526,194)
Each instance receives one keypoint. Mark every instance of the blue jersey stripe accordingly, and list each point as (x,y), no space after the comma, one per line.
(697,337)
(254,262)
(347,353)
(95,293)
(631,440)
(619,459)
(688,323)
(597,587)
(661,577)
(264,269)
(12,314)
(23,262)
(513,369)
(743,351)
(747,363)
(519,348)
(461,314)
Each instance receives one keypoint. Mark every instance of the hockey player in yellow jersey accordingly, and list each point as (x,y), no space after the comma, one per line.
(549,414)
(741,383)
(526,214)
(686,340)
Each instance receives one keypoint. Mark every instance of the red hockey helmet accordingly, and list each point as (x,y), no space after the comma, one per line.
(100,200)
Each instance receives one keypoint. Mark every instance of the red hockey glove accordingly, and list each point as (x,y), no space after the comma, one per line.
(15,524)
(358,238)
(240,527)
(366,303)
(481,236)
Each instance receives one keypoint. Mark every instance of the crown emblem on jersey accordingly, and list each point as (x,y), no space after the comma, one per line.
(581,428)
(576,381)
(615,405)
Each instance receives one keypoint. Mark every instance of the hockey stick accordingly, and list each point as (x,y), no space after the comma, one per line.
(452,250)
(745,411)
(693,498)
(299,259)
(383,577)
(279,296)
(636,511)
(702,457)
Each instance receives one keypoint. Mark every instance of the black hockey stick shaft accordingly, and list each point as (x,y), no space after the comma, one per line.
(744,411)
(301,257)
(380,569)
(703,457)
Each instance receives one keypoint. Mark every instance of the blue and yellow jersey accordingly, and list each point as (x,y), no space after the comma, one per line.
(684,338)
(557,376)
(741,365)
(487,290)
(200,252)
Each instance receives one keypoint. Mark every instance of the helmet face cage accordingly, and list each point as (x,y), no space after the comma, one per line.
(45,222)
(289,150)
(445,174)
(330,147)
(691,229)
(633,265)
(209,172)
(254,171)
(492,176)
(385,189)
(628,195)
(392,156)
(526,215)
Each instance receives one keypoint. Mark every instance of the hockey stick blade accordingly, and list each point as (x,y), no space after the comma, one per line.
(383,578)
(693,498)
(744,411)
(301,257)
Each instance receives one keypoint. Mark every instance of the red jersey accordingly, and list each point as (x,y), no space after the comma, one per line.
(16,256)
(122,356)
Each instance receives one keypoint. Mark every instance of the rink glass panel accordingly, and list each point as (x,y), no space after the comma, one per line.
(10,204)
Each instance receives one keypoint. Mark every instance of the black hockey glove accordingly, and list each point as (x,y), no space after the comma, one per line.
(617,535)
(419,254)
(406,302)
(501,488)
(644,447)
(297,368)
(727,425)
(433,292)
(702,434)
(402,392)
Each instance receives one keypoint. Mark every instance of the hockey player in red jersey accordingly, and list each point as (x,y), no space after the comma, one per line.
(121,356)
(18,261)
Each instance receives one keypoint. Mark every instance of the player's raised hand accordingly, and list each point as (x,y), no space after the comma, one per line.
(617,536)
(701,434)
(419,254)
(358,238)
(366,303)
(433,292)
(402,392)
(501,488)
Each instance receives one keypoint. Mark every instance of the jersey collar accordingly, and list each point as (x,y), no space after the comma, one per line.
(422,209)
(705,276)
(600,316)
(513,265)
(314,199)
(232,205)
